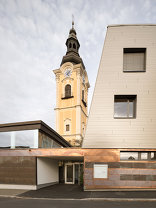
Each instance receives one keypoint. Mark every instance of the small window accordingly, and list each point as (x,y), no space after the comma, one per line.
(74,46)
(124,106)
(82,94)
(67,90)
(144,155)
(128,155)
(153,156)
(70,45)
(67,127)
(134,59)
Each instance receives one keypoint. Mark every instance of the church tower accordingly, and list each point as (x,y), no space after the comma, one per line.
(71,93)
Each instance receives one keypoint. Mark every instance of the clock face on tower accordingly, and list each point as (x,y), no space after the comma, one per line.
(67,72)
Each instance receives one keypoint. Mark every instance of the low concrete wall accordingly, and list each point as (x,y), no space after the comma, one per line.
(47,171)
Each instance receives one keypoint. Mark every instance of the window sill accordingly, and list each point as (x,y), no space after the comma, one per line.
(63,98)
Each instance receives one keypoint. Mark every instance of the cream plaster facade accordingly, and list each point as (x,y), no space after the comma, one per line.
(105,131)
(71,111)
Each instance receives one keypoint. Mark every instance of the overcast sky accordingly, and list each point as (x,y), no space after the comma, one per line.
(32,44)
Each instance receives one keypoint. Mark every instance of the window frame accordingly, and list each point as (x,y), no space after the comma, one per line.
(128,98)
(67,91)
(67,127)
(135,50)
(149,156)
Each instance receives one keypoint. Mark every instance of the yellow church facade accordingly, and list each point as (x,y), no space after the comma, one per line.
(71,94)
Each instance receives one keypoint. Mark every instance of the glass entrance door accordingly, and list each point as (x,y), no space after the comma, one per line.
(69,173)
(74,173)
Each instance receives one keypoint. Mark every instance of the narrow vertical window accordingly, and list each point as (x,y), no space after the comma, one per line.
(67,90)
(74,46)
(67,127)
(82,94)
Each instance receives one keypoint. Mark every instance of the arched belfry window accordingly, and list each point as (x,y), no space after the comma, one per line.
(74,46)
(68,90)
(70,45)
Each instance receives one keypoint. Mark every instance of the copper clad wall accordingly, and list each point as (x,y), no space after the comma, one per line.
(19,167)
(18,170)
(121,174)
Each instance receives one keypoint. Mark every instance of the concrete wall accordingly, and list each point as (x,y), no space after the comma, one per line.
(47,171)
(105,131)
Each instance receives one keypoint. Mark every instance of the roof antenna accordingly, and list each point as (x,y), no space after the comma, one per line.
(72,21)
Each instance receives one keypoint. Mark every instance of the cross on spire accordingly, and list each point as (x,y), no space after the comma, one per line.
(72,21)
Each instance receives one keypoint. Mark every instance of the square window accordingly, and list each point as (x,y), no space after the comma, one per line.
(134,59)
(153,155)
(67,127)
(124,106)
(144,155)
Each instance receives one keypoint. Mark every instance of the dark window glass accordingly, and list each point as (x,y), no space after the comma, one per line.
(82,94)
(67,90)
(74,46)
(67,127)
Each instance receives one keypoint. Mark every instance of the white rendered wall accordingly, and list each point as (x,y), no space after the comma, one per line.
(103,131)
(47,171)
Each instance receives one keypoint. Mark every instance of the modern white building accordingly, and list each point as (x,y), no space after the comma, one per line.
(123,113)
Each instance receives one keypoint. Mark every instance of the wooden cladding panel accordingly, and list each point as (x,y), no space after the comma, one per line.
(18,170)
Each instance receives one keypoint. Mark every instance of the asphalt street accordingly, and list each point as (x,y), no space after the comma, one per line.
(40,203)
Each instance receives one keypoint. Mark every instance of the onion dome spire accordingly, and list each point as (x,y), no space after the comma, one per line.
(72,43)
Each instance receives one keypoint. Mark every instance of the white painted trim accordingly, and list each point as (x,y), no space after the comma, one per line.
(36,138)
(13,140)
(14,186)
(66,182)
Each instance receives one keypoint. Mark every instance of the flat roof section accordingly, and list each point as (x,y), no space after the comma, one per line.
(31,125)
(123,25)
